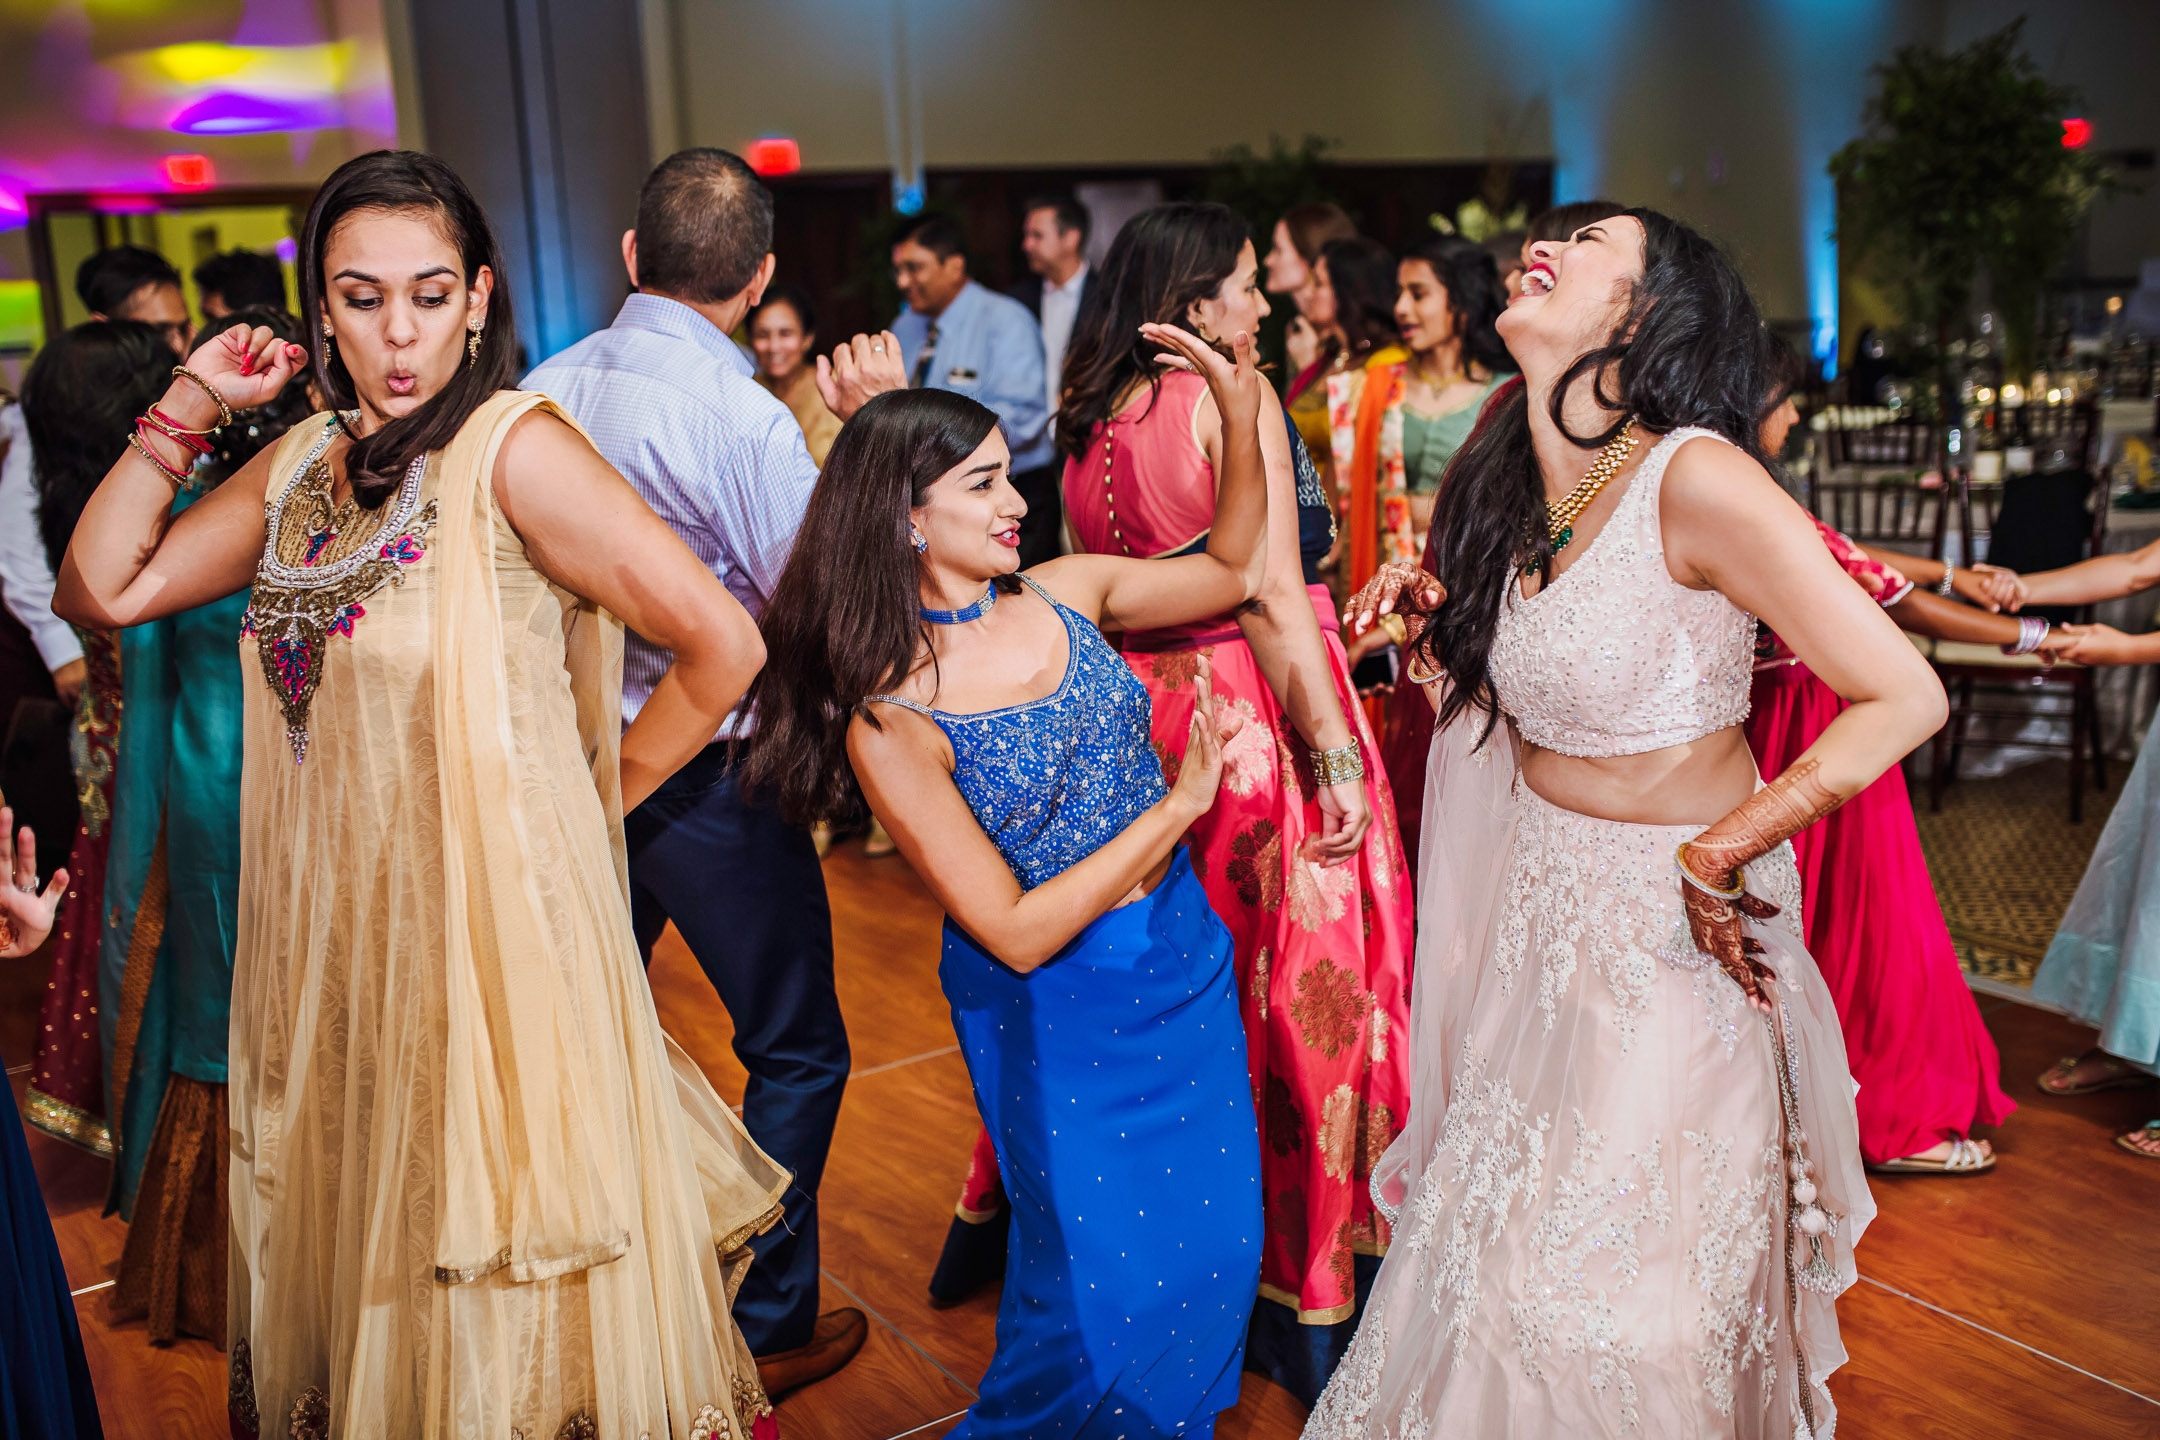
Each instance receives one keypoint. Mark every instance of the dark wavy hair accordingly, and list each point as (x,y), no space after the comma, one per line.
(1690,349)
(843,621)
(1361,272)
(1475,297)
(406,182)
(1164,260)
(80,401)
(254,431)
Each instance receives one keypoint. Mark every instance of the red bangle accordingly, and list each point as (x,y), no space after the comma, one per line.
(177,428)
(145,425)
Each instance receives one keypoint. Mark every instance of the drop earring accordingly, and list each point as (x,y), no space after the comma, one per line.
(472,341)
(918,540)
(326,345)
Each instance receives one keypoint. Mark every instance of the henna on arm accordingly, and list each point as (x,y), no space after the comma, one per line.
(1714,889)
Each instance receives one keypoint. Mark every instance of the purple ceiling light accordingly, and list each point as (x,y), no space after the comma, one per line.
(229,113)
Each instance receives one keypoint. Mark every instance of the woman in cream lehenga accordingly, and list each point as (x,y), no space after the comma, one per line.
(1629,1189)
(475,1191)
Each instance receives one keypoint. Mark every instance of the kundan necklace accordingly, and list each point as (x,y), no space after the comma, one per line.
(1560,518)
(965,613)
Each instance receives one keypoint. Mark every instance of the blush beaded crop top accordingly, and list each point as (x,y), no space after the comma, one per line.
(1053,780)
(1614,656)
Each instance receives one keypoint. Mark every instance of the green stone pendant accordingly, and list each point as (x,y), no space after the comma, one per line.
(1560,541)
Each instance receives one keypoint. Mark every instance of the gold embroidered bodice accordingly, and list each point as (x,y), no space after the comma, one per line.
(321,560)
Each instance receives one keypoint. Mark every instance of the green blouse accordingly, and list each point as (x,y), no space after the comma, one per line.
(1429,442)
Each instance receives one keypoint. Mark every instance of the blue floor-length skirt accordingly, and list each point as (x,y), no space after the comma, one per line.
(44,1380)
(2103,967)
(1113,1083)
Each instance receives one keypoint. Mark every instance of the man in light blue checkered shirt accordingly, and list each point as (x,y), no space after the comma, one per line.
(670,401)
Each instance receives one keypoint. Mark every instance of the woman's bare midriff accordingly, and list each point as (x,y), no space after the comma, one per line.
(1697,783)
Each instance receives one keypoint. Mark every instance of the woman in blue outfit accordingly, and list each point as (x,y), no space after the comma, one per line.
(2103,967)
(44,1380)
(1005,745)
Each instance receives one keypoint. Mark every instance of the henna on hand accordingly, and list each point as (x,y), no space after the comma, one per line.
(1759,824)
(1715,924)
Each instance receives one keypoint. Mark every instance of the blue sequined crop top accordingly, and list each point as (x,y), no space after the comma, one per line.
(1054,780)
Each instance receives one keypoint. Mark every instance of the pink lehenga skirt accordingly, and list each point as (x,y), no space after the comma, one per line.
(1926,1064)
(1597,1225)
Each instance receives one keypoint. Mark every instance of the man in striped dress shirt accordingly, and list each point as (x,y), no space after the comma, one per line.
(670,401)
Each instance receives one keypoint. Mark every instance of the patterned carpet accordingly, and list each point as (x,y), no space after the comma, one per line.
(2006,860)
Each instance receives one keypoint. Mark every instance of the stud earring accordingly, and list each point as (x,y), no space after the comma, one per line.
(472,341)
(326,345)
(918,540)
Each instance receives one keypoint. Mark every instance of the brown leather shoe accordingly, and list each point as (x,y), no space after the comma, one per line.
(839,1334)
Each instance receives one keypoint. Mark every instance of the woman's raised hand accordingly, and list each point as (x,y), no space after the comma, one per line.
(1201,771)
(1235,384)
(248,367)
(26,913)
(1396,588)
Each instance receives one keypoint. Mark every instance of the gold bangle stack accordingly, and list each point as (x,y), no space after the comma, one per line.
(1739,877)
(1343,763)
(1395,628)
(179,478)
(224,410)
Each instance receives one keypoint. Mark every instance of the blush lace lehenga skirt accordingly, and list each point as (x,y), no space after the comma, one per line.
(1597,1199)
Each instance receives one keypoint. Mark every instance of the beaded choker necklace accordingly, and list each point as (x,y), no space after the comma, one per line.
(966,613)
(1560,517)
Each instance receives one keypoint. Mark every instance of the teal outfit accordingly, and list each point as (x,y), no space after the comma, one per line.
(179,769)
(2103,967)
(1430,442)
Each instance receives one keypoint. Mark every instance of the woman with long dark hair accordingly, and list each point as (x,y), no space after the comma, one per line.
(1299,852)
(171,912)
(978,713)
(80,401)
(1631,1184)
(1400,417)
(474,1189)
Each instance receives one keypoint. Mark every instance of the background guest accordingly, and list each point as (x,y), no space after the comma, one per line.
(172,881)
(1294,270)
(957,335)
(80,401)
(1506,249)
(1400,417)
(128,282)
(238,280)
(783,336)
(1053,237)
(670,401)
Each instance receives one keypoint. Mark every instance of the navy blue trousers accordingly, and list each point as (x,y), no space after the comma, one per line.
(746,892)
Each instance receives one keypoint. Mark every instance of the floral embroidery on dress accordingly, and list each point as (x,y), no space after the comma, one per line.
(1489,1156)
(1260,965)
(1583,1246)
(316,571)
(1339,1132)
(1318,895)
(1346,1404)
(1176,668)
(240,1388)
(94,741)
(1724,1263)
(310,1419)
(579,1426)
(751,1402)
(1246,756)
(1285,1122)
(1256,869)
(1377,1129)
(1328,1007)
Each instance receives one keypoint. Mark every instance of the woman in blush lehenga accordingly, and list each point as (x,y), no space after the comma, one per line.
(979,712)
(475,1190)
(1631,1184)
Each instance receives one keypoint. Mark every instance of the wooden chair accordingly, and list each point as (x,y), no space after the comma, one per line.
(2055,519)
(1899,514)
(1893,444)
(2062,437)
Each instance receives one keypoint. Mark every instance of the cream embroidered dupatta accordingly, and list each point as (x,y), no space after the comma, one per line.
(476,1191)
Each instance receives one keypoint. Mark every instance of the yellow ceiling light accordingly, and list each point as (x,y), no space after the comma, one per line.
(279,70)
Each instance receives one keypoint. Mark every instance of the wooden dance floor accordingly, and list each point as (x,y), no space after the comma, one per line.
(2015,1304)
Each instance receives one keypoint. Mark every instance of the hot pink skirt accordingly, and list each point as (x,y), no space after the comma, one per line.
(1925,1063)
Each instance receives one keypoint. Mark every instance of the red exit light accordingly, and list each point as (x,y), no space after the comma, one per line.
(190,172)
(2076,134)
(775,155)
